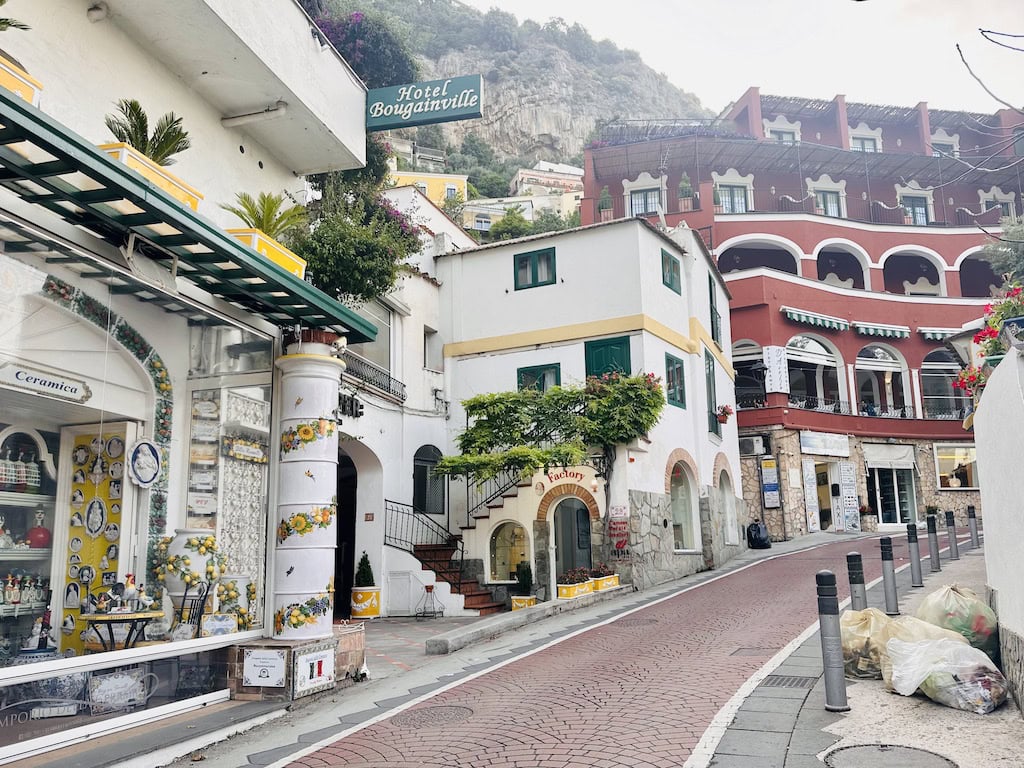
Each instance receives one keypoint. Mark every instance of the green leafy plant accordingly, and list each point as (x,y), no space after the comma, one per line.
(267,213)
(524,575)
(600,570)
(685,188)
(364,573)
(6,24)
(604,202)
(1008,303)
(132,127)
(575,576)
(716,198)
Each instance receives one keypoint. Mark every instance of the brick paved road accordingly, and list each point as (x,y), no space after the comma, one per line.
(636,693)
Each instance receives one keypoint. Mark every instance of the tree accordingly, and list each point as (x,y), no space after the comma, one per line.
(488,183)
(501,29)
(132,127)
(374,51)
(265,214)
(548,220)
(453,206)
(1006,252)
(527,430)
(512,225)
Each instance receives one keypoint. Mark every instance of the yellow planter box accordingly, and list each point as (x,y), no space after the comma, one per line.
(365,602)
(566,591)
(20,82)
(154,173)
(523,602)
(606,582)
(271,249)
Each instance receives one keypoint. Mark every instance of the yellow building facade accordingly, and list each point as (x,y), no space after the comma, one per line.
(437,187)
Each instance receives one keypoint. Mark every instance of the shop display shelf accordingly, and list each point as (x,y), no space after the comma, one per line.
(20,554)
(11,499)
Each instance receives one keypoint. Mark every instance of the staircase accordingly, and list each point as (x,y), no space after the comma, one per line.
(438,558)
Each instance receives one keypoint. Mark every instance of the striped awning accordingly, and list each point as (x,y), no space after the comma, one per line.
(937,334)
(881,330)
(815,318)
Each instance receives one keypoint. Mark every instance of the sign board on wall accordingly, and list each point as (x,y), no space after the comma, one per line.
(263,668)
(848,491)
(771,498)
(776,370)
(432,101)
(811,496)
(618,529)
(43,382)
(824,443)
(313,668)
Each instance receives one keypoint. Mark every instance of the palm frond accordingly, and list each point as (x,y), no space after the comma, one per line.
(132,127)
(168,139)
(6,24)
(264,213)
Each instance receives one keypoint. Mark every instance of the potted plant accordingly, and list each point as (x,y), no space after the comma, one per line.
(717,201)
(604,577)
(723,413)
(908,217)
(1004,325)
(268,220)
(523,588)
(604,205)
(148,153)
(574,583)
(685,193)
(365,593)
(868,518)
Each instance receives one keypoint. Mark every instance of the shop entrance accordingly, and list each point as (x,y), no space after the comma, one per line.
(829,501)
(344,555)
(572,535)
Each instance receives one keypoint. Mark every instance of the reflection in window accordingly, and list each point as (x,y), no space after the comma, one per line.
(682,509)
(377,351)
(428,489)
(507,550)
(956,466)
(941,400)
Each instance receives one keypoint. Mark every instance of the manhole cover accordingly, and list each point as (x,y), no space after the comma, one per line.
(789,681)
(885,756)
(431,716)
(636,622)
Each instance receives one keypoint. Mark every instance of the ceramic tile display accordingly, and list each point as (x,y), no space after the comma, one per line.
(307,510)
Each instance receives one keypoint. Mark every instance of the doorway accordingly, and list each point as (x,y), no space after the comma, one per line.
(572,535)
(825,498)
(345,554)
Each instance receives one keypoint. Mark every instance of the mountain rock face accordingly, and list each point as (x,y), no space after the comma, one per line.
(542,103)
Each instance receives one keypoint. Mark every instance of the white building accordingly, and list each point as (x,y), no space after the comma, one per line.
(555,308)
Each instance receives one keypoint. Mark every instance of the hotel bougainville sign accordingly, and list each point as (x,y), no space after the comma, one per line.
(434,101)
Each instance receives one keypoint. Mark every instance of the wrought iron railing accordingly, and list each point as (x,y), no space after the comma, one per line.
(480,495)
(405,528)
(376,377)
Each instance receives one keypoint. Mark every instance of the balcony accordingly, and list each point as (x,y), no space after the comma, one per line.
(369,374)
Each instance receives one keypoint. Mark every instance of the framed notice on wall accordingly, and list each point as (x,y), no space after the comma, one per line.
(811,496)
(771,498)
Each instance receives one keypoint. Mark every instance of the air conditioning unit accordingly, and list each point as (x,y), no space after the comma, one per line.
(752,446)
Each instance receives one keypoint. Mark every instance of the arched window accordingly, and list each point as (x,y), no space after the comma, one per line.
(747,360)
(940,399)
(428,489)
(881,388)
(814,381)
(728,502)
(684,533)
(508,548)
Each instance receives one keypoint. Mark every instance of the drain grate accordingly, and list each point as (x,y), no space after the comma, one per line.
(789,681)
(431,717)
(885,756)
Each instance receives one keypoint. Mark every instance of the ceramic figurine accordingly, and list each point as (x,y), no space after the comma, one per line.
(103,603)
(131,591)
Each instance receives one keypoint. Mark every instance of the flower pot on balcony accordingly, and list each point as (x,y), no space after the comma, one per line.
(819,211)
(723,419)
(1012,332)
(605,214)
(20,82)
(719,209)
(685,204)
(519,602)
(156,174)
(908,219)
(271,249)
(569,591)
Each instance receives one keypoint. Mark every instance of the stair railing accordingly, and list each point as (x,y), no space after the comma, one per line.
(405,528)
(480,495)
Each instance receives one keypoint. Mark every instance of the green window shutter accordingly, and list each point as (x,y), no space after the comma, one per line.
(607,355)
(534,268)
(670,272)
(709,383)
(675,381)
(539,377)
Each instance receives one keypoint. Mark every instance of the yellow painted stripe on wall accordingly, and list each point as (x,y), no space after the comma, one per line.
(699,332)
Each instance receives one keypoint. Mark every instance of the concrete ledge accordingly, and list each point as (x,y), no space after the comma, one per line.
(493,626)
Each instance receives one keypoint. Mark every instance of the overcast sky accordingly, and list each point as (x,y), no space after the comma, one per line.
(879,51)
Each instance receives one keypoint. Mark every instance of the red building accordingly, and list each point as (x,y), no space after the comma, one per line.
(849,236)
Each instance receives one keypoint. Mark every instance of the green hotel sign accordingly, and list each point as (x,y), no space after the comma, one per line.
(434,101)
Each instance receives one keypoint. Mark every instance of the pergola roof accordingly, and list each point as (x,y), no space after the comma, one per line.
(795,107)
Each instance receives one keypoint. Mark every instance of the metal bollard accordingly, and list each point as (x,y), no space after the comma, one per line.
(933,546)
(954,550)
(972,523)
(892,605)
(831,642)
(916,580)
(858,594)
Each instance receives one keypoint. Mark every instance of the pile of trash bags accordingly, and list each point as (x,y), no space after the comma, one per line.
(948,651)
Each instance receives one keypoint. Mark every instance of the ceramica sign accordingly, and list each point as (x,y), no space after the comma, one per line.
(433,101)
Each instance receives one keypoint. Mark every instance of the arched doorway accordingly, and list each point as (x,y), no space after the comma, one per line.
(345,554)
(508,548)
(572,535)
(881,383)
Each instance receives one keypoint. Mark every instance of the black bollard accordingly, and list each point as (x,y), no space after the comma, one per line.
(858,594)
(831,642)
(972,524)
(916,579)
(933,546)
(954,550)
(892,606)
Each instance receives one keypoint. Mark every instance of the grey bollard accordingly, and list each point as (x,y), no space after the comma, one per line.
(916,579)
(858,594)
(933,546)
(954,550)
(831,642)
(972,524)
(892,605)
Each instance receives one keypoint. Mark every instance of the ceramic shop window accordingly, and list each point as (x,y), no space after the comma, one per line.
(508,548)
(956,466)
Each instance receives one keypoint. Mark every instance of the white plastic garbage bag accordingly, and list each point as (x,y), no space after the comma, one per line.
(961,610)
(947,672)
(862,651)
(910,630)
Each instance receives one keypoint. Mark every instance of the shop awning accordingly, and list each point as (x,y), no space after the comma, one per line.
(48,165)
(815,318)
(889,455)
(881,330)
(937,334)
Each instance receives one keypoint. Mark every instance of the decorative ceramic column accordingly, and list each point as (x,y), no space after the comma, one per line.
(307,490)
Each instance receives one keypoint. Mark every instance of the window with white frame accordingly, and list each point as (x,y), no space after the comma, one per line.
(733,193)
(433,350)
(684,535)
(421,187)
(864,138)
(826,202)
(863,144)
(942,149)
(644,202)
(829,196)
(945,144)
(482,222)
(956,466)
(783,137)
(996,198)
(916,208)
(377,351)
(450,191)
(733,199)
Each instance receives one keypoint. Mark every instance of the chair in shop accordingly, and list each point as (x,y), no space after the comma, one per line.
(190,613)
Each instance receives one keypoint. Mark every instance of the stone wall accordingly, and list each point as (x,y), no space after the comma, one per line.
(541,564)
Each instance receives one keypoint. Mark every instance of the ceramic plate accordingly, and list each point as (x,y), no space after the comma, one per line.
(75,559)
(81,454)
(112,532)
(97,445)
(86,574)
(95,517)
(76,544)
(117,470)
(145,462)
(115,509)
(73,571)
(115,447)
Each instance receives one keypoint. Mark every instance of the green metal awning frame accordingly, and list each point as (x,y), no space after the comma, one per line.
(938,334)
(165,231)
(881,330)
(816,319)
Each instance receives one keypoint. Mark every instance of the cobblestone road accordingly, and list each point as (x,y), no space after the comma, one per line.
(634,693)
